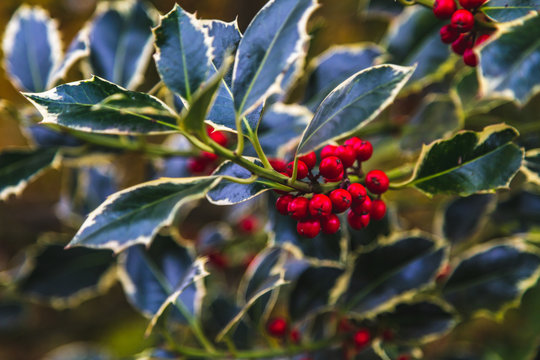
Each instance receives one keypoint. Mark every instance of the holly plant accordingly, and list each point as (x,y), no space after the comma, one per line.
(359,205)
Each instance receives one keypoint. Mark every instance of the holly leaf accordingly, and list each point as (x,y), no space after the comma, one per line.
(184,52)
(503,10)
(492,277)
(273,41)
(99,106)
(135,215)
(334,66)
(19,167)
(353,104)
(468,163)
(508,62)
(398,267)
(520,213)
(531,166)
(120,41)
(32,49)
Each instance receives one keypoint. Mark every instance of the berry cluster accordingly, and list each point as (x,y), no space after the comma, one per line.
(318,213)
(461,32)
(206,162)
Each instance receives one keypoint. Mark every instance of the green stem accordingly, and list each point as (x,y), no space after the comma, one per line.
(240,135)
(400,171)
(258,149)
(249,180)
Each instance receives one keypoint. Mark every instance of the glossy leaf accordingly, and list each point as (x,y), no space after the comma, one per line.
(184,52)
(334,66)
(520,213)
(469,162)
(531,166)
(273,41)
(387,274)
(227,192)
(78,49)
(437,118)
(509,62)
(413,38)
(218,314)
(225,39)
(97,105)
(151,275)
(492,277)
(419,321)
(135,215)
(64,278)
(19,167)
(312,290)
(504,10)
(32,49)
(120,39)
(353,104)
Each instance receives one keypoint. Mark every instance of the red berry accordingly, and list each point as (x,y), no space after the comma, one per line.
(346,154)
(364,150)
(219,137)
(278,165)
(361,338)
(443,9)
(295,336)
(482,38)
(462,21)
(357,221)
(470,58)
(301,172)
(309,159)
(471,4)
(218,260)
(443,273)
(277,327)
(358,192)
(363,207)
(298,208)
(403,357)
(448,34)
(378,209)
(462,43)
(209,156)
(341,200)
(330,224)
(248,224)
(339,178)
(282,204)
(377,182)
(320,205)
(328,150)
(197,165)
(352,141)
(308,228)
(331,167)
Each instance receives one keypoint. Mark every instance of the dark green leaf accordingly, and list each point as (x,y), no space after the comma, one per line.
(353,104)
(391,272)
(225,39)
(227,192)
(273,41)
(505,10)
(120,39)
(492,277)
(135,215)
(469,162)
(311,291)
(333,67)
(438,117)
(414,38)
(520,213)
(509,61)
(19,167)
(531,166)
(32,49)
(184,56)
(65,277)
(151,275)
(97,105)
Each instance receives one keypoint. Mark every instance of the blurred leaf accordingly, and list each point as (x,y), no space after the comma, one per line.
(437,118)
(99,106)
(120,40)
(334,66)
(135,215)
(32,49)
(391,272)
(509,61)
(19,167)
(519,213)
(503,10)
(381,7)
(492,277)
(353,104)
(531,166)
(78,351)
(468,163)
(184,56)
(273,41)
(78,49)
